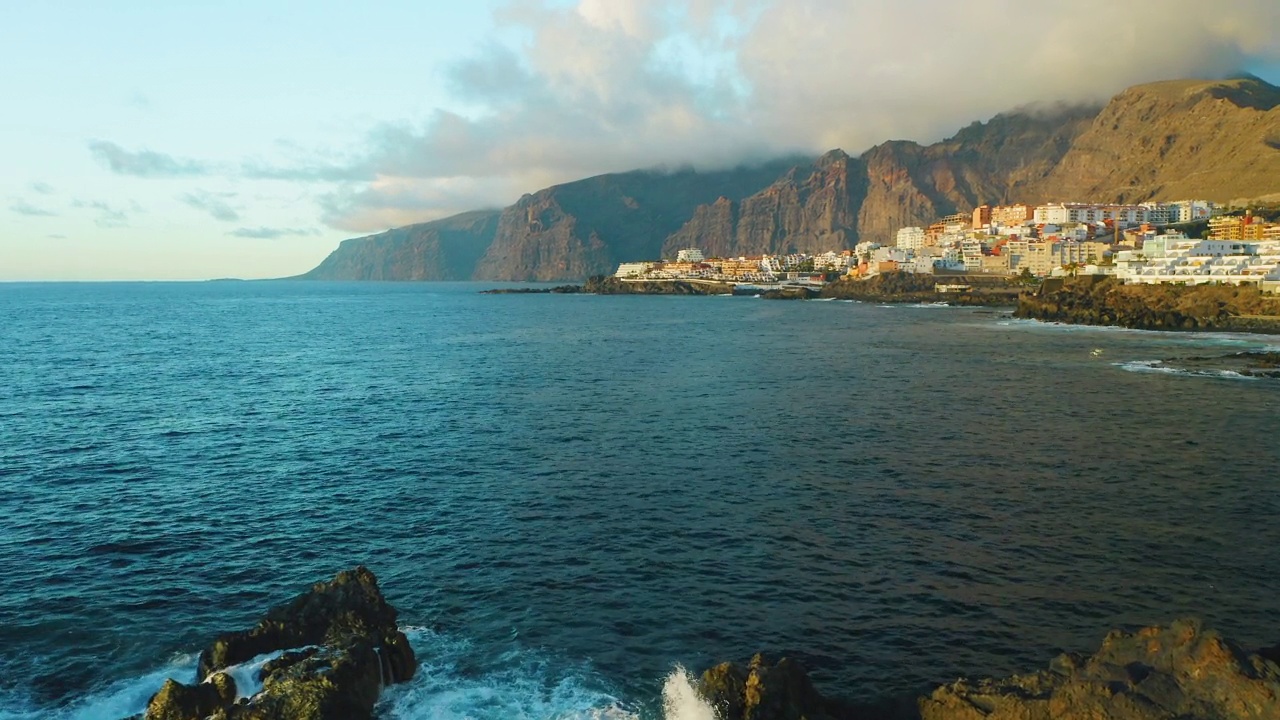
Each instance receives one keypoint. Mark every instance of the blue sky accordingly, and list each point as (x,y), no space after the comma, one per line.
(245,139)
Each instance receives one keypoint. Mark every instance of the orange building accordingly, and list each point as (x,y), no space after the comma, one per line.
(1012,215)
(981,216)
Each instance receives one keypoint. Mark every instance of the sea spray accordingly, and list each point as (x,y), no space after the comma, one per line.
(680,698)
(457,680)
(116,700)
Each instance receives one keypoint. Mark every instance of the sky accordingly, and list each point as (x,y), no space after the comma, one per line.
(184,140)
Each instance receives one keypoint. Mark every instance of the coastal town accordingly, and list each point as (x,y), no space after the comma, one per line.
(1137,244)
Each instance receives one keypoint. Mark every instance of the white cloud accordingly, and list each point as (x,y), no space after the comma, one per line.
(565,91)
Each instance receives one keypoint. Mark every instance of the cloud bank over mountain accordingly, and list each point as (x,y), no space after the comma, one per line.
(567,90)
(610,85)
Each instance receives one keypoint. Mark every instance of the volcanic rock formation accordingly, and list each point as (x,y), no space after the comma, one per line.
(338,646)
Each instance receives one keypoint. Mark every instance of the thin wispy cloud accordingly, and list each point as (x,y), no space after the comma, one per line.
(270,233)
(107,215)
(42,188)
(145,163)
(22,207)
(215,204)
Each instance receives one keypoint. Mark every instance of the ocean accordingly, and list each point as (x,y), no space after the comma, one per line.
(573,499)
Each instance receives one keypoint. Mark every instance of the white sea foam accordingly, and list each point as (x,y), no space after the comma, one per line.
(680,698)
(450,684)
(112,702)
(518,685)
(246,674)
(1157,366)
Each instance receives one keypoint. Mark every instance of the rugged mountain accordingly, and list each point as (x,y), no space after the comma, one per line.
(811,208)
(587,227)
(994,162)
(1215,140)
(445,249)
(1173,140)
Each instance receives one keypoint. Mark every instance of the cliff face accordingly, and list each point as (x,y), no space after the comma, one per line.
(811,208)
(441,250)
(587,227)
(1177,140)
(1165,141)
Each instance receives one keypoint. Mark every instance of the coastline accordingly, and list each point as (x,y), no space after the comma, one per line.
(901,288)
(334,650)
(1097,300)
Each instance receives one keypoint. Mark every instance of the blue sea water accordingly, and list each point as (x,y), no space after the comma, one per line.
(568,497)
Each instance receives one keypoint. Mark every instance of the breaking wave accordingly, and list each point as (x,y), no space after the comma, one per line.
(1158,366)
(452,682)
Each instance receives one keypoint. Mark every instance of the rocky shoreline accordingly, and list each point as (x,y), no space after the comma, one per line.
(1243,364)
(328,654)
(1105,301)
(888,288)
(325,655)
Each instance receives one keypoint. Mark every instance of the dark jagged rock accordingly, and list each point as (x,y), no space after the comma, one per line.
(1271,653)
(761,691)
(1182,672)
(1105,301)
(789,293)
(609,285)
(348,608)
(1245,364)
(900,287)
(338,644)
(176,701)
(557,290)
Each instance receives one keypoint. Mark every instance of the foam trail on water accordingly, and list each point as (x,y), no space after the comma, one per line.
(1158,366)
(454,681)
(680,698)
(111,702)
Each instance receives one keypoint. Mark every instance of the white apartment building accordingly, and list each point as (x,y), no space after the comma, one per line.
(635,269)
(1191,210)
(911,238)
(690,255)
(1175,258)
(1066,213)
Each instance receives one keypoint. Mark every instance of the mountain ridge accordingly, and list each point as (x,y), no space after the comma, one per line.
(1178,139)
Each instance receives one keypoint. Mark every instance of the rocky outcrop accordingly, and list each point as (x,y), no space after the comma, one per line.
(1105,301)
(1182,672)
(1244,364)
(609,285)
(761,691)
(338,646)
(900,287)
(176,701)
(1215,140)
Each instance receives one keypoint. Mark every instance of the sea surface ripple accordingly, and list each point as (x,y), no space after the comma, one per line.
(567,496)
